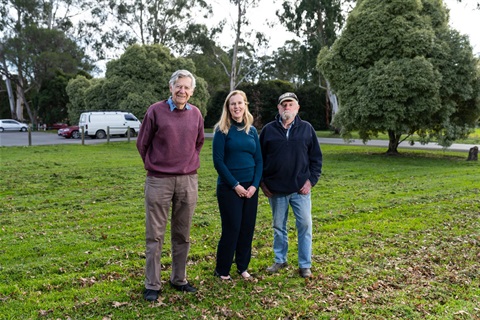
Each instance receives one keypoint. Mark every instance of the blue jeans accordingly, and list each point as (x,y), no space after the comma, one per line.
(302,207)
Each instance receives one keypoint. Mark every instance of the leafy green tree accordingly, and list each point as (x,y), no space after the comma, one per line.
(52,98)
(241,61)
(33,47)
(133,82)
(287,64)
(398,68)
(35,56)
(209,69)
(76,89)
(168,22)
(318,22)
(312,110)
(262,97)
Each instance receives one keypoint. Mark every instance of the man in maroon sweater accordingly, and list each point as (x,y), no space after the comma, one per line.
(169,142)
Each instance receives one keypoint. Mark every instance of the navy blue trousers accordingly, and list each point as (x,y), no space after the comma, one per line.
(238,217)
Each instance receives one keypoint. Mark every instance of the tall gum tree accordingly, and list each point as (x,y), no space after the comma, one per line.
(318,22)
(171,23)
(36,41)
(242,60)
(399,69)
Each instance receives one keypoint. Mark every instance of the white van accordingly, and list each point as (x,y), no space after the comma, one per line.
(95,123)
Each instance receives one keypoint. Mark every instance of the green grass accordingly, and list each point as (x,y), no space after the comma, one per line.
(394,237)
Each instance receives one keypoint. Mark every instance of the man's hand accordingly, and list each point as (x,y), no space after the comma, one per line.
(306,187)
(265,190)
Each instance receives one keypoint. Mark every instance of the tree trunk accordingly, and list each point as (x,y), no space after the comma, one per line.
(23,99)
(393,142)
(332,102)
(19,106)
(233,72)
(8,84)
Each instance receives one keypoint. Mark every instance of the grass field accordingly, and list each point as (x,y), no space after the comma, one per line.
(473,138)
(394,237)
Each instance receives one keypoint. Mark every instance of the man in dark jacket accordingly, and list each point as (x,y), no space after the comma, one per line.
(292,164)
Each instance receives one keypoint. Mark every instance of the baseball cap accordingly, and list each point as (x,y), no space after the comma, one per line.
(287,96)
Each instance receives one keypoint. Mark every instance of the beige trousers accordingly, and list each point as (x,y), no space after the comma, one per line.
(181,194)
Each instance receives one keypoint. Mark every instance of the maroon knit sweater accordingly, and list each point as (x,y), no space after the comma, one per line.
(169,142)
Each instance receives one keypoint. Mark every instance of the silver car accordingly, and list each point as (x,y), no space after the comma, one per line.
(12,125)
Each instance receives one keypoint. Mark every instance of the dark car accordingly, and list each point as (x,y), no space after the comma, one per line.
(56,126)
(69,132)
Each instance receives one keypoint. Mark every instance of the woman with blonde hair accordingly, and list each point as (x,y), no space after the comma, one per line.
(237,157)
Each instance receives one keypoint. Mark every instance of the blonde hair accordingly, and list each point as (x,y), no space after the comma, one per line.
(225,121)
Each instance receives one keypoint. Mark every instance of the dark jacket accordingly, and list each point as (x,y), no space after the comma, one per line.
(289,162)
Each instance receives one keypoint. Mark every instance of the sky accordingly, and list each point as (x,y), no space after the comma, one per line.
(463,17)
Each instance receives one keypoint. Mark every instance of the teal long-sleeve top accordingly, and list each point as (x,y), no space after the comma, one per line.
(237,157)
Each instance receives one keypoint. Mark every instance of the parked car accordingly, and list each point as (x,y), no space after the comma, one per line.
(12,125)
(69,132)
(56,126)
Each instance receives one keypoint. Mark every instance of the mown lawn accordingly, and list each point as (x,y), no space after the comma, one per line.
(394,237)
(473,138)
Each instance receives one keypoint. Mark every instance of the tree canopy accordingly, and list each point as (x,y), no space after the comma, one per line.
(133,82)
(168,22)
(34,48)
(318,23)
(399,68)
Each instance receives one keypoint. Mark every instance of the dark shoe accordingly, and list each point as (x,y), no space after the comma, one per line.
(184,287)
(151,295)
(224,278)
(276,266)
(305,272)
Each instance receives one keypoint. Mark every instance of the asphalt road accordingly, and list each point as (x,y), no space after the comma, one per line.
(38,138)
(9,139)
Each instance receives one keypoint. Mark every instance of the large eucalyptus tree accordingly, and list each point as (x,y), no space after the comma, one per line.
(34,45)
(172,23)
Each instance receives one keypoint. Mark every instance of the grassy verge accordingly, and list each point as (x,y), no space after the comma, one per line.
(394,237)
(473,138)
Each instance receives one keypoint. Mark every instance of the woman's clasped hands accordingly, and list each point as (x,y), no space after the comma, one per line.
(245,193)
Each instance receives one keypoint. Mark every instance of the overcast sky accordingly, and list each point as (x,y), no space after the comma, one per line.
(463,17)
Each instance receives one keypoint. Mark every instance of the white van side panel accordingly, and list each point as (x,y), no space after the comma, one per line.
(118,121)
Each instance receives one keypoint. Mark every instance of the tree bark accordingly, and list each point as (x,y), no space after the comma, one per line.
(393,142)
(233,72)
(8,84)
(23,99)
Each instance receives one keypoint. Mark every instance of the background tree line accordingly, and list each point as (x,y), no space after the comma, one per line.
(47,50)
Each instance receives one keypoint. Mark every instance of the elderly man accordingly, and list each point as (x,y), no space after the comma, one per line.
(292,164)
(169,142)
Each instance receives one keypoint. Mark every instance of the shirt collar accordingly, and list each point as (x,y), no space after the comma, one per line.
(281,123)
(173,106)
